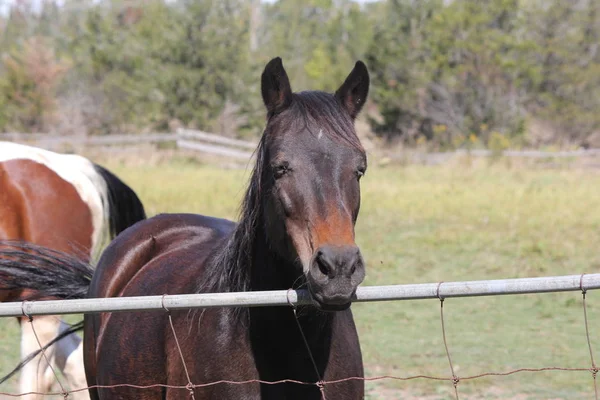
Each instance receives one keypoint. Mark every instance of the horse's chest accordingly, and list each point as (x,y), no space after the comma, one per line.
(245,354)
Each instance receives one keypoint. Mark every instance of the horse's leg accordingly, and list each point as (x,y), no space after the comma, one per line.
(75,373)
(33,375)
(68,357)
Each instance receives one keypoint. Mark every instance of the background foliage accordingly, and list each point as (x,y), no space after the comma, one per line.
(446,74)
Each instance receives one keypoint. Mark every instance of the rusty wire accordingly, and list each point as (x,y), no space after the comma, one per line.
(594,369)
(455,379)
(190,385)
(64,392)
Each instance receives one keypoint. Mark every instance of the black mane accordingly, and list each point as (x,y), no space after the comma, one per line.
(230,266)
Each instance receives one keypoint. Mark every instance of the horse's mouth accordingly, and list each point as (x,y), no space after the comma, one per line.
(331,306)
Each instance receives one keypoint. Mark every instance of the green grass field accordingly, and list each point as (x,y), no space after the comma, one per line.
(428,224)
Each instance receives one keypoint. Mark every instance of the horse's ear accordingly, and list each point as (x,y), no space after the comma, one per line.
(353,92)
(275,87)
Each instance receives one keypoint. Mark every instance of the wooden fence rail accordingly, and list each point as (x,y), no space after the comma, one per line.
(184,139)
(194,140)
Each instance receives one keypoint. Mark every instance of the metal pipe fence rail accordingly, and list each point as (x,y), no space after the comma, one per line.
(301,297)
(293,298)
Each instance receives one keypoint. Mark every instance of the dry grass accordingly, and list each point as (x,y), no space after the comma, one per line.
(429,224)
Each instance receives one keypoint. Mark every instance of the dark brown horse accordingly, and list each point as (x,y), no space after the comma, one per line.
(296,229)
(66,203)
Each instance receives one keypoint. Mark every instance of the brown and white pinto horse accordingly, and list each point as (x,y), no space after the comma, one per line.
(296,229)
(69,204)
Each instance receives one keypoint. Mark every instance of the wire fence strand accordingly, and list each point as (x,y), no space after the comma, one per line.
(64,392)
(190,385)
(455,379)
(319,382)
(283,381)
(594,369)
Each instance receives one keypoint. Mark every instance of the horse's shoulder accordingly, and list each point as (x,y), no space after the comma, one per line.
(157,244)
(217,225)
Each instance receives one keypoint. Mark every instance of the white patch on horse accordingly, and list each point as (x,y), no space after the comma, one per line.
(320,134)
(34,376)
(80,173)
(65,355)
(68,358)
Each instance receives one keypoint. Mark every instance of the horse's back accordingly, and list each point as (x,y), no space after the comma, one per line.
(37,206)
(57,189)
(165,254)
(76,170)
(154,252)
(41,194)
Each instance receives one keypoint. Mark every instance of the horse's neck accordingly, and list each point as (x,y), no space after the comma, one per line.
(276,330)
(269,271)
(278,342)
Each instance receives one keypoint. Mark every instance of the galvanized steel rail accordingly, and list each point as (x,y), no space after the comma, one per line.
(301,297)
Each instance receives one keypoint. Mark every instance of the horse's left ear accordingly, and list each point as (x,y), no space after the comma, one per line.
(275,87)
(353,92)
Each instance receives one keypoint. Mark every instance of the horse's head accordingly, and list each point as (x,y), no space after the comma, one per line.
(312,165)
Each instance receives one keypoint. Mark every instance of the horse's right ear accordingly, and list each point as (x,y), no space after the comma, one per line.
(353,92)
(275,87)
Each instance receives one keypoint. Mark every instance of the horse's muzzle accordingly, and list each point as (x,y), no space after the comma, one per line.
(335,273)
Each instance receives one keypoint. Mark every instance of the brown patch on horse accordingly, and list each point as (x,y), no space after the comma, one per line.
(336,229)
(38,206)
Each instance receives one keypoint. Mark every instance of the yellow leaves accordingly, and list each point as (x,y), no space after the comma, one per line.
(32,76)
(421,141)
(438,128)
(498,142)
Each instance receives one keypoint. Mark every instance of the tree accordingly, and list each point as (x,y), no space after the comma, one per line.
(31,75)
(447,66)
(567,89)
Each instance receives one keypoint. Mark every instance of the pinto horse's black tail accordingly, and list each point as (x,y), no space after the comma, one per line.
(45,272)
(124,206)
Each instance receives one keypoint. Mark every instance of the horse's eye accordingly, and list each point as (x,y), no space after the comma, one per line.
(280,170)
(360,172)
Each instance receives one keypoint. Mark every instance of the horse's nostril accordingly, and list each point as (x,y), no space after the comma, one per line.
(353,269)
(323,266)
